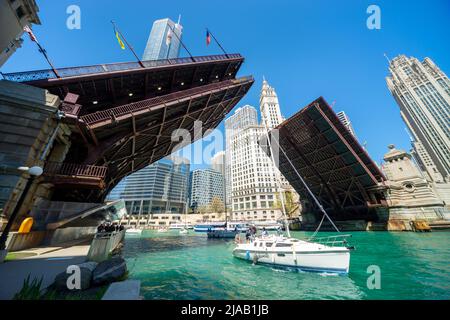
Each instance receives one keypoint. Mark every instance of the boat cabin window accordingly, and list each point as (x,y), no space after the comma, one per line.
(256,243)
(283,245)
(260,244)
(269,244)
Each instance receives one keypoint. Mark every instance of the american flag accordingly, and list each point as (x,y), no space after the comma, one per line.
(208,38)
(28,30)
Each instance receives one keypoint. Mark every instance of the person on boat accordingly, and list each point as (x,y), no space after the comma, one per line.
(101,228)
(264,232)
(248,234)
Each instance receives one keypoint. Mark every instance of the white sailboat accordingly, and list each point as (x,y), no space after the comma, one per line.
(184,230)
(327,255)
(330,254)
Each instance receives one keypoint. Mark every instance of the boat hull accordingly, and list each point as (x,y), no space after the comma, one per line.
(332,261)
(223,234)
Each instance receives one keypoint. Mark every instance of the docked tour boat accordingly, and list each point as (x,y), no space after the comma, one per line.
(179,226)
(208,226)
(229,230)
(268,225)
(224,233)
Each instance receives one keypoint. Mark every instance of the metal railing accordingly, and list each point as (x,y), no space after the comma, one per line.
(104,68)
(107,235)
(332,241)
(71,169)
(112,113)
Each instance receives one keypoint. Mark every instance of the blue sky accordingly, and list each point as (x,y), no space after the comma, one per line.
(305,49)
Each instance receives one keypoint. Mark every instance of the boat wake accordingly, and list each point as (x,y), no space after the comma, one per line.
(328,274)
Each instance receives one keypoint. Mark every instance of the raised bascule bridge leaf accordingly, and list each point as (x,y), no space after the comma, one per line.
(122,116)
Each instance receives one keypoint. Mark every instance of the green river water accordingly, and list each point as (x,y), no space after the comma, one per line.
(171,266)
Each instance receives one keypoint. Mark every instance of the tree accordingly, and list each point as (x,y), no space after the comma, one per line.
(217,205)
(289,203)
(203,209)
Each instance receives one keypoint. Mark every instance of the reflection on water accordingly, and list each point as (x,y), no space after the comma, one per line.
(194,267)
(167,242)
(173,266)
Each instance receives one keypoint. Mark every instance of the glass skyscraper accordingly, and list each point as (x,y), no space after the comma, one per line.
(162,43)
(162,187)
(422,92)
(206,184)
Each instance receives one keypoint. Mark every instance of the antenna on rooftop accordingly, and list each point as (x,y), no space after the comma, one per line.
(387,58)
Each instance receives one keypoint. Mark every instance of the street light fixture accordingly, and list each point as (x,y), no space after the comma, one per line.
(34,172)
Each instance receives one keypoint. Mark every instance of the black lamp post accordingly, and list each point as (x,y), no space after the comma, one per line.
(33,172)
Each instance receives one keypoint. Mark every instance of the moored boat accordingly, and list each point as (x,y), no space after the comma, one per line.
(133,231)
(179,226)
(268,225)
(209,226)
(223,233)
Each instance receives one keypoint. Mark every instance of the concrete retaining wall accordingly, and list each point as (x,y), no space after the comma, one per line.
(26,121)
(62,235)
(21,241)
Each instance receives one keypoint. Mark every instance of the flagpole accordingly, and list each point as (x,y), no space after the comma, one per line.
(192,58)
(42,50)
(168,50)
(33,38)
(129,46)
(218,43)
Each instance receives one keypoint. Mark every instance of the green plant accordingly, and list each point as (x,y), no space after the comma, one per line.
(10,256)
(29,291)
(101,292)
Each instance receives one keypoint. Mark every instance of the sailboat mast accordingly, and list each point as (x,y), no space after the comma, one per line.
(307,188)
(278,180)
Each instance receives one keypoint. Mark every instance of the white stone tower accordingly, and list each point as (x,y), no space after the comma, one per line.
(269,107)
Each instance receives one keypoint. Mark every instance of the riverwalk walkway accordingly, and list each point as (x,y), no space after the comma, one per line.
(45,262)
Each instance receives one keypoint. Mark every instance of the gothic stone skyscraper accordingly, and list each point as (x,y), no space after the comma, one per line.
(422,92)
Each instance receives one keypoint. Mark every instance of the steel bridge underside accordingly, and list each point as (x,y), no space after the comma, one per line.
(128,138)
(123,117)
(333,164)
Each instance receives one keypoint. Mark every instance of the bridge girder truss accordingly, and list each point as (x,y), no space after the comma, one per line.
(333,164)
